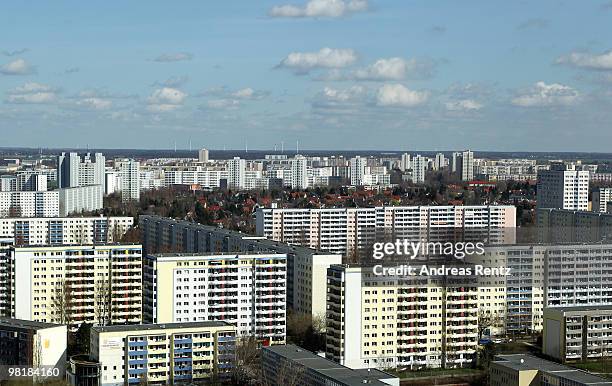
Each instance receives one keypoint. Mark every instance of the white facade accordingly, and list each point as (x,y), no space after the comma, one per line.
(74,171)
(236,173)
(80,199)
(299,172)
(357,167)
(64,230)
(601,197)
(30,204)
(248,291)
(129,173)
(419,166)
(563,187)
(345,230)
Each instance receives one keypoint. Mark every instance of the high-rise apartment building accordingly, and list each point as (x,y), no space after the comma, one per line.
(129,174)
(236,173)
(347,231)
(601,198)
(64,230)
(357,166)
(245,290)
(382,322)
(299,172)
(74,171)
(563,187)
(405,163)
(203,155)
(306,268)
(80,199)
(74,284)
(419,168)
(30,204)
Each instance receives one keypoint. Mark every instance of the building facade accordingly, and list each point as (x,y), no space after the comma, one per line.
(163,354)
(306,268)
(64,230)
(380,322)
(349,231)
(247,291)
(98,284)
(577,333)
(563,187)
(29,204)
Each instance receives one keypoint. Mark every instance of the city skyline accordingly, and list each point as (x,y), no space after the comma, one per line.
(483,75)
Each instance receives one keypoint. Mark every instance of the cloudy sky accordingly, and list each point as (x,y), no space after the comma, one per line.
(331,74)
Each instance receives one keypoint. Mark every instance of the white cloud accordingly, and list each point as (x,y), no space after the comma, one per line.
(174,57)
(166,99)
(590,61)
(94,103)
(303,62)
(399,95)
(344,95)
(17,67)
(32,92)
(248,93)
(463,105)
(320,8)
(385,69)
(542,94)
(223,103)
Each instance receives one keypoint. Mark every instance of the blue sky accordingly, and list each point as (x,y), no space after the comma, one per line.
(333,74)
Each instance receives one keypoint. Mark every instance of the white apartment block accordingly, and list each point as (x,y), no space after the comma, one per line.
(205,177)
(601,198)
(347,230)
(24,181)
(80,199)
(467,165)
(99,284)
(247,291)
(74,170)
(563,187)
(30,204)
(546,276)
(380,322)
(129,173)
(306,268)
(64,230)
(162,354)
(299,172)
(419,167)
(236,173)
(357,168)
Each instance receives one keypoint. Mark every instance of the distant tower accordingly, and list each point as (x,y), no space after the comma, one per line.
(203,155)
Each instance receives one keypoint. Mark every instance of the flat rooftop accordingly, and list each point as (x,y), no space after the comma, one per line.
(159,326)
(581,308)
(527,362)
(25,324)
(343,375)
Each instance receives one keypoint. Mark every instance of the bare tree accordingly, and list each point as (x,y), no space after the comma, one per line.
(487,320)
(102,302)
(61,302)
(247,367)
